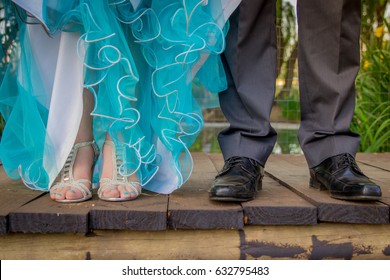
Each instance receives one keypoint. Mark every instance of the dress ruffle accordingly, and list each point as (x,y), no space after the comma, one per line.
(152,66)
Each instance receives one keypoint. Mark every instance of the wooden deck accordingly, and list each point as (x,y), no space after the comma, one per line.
(286,220)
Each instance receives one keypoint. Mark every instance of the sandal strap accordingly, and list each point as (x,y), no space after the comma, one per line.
(79,185)
(106,183)
(88,143)
(118,179)
(67,179)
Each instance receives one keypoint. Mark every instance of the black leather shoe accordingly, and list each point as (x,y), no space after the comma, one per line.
(344,179)
(239,180)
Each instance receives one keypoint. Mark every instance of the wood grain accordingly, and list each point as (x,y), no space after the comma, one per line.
(44,215)
(277,205)
(13,194)
(292,171)
(217,160)
(323,241)
(380,176)
(380,160)
(147,212)
(190,207)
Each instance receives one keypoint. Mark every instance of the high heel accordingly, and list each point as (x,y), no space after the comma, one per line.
(67,179)
(118,179)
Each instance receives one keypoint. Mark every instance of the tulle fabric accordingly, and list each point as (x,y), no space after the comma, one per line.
(152,66)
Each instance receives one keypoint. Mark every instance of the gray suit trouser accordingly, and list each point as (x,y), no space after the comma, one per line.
(328,57)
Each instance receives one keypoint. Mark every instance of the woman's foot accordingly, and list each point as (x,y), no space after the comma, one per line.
(74,182)
(113,186)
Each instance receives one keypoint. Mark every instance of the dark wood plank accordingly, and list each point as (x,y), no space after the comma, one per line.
(190,207)
(44,215)
(380,160)
(147,212)
(274,204)
(277,205)
(377,167)
(13,194)
(292,171)
(381,177)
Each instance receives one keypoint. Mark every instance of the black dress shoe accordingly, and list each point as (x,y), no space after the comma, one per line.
(344,179)
(239,180)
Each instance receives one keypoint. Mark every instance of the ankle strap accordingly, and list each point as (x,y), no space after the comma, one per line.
(85,144)
(109,142)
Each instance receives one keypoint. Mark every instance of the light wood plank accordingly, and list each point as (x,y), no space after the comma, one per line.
(380,160)
(217,160)
(323,241)
(123,245)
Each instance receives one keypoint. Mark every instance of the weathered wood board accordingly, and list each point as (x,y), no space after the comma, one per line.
(13,194)
(190,207)
(292,171)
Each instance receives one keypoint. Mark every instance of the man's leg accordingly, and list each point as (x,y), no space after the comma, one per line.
(250,65)
(329,60)
(328,63)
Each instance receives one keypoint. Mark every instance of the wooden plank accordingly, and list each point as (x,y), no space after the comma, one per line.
(277,205)
(147,212)
(190,207)
(13,194)
(292,171)
(377,167)
(44,215)
(380,160)
(274,204)
(123,245)
(380,177)
(322,241)
(217,160)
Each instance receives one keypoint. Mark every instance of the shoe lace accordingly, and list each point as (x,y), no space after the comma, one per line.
(348,160)
(240,161)
(233,161)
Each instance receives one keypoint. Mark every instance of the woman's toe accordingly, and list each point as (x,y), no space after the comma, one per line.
(73,194)
(59,193)
(127,192)
(111,193)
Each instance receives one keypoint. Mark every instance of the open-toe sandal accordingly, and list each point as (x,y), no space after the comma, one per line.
(67,179)
(118,179)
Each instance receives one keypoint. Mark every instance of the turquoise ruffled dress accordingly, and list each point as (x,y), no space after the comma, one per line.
(152,67)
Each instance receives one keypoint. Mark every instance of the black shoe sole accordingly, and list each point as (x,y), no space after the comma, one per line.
(259,186)
(356,198)
(321,187)
(230,199)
